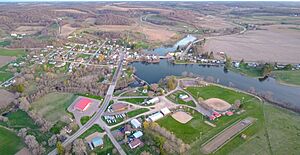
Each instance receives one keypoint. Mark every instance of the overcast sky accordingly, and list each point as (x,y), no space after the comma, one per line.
(129,0)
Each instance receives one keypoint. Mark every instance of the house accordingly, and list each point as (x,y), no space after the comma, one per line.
(183,96)
(135,123)
(135,143)
(217,114)
(138,134)
(153,101)
(156,116)
(212,117)
(82,104)
(229,113)
(97,141)
(165,111)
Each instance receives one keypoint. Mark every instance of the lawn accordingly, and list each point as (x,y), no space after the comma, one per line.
(20,119)
(288,77)
(94,128)
(12,52)
(57,127)
(91,96)
(175,98)
(84,119)
(137,112)
(53,106)
(196,132)
(135,100)
(213,91)
(107,147)
(10,143)
(247,70)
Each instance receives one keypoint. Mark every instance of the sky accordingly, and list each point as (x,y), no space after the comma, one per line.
(129,0)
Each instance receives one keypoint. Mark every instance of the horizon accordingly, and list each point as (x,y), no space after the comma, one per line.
(149,1)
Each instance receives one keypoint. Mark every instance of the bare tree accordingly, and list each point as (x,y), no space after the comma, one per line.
(22,132)
(33,145)
(79,147)
(52,140)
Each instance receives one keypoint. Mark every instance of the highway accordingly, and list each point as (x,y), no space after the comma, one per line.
(97,117)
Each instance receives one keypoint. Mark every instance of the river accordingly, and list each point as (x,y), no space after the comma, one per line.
(152,73)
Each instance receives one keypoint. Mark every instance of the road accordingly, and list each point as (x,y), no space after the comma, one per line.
(97,117)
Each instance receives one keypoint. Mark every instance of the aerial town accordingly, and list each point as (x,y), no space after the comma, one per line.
(142,78)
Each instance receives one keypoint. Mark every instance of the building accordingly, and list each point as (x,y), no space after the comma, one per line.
(118,107)
(183,96)
(97,141)
(83,104)
(156,116)
(153,101)
(138,134)
(135,143)
(165,111)
(135,123)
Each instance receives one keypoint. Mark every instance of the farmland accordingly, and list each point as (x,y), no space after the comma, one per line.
(12,52)
(53,106)
(10,143)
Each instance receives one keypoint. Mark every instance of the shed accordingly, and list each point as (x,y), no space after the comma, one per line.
(135,123)
(138,134)
(156,116)
(165,111)
(97,141)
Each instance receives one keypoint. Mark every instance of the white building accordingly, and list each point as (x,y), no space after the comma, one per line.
(153,101)
(156,116)
(135,123)
(165,111)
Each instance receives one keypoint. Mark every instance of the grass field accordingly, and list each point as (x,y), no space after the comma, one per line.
(20,119)
(94,128)
(134,100)
(12,52)
(288,77)
(196,132)
(53,106)
(246,70)
(10,143)
(175,98)
(218,92)
(84,119)
(136,112)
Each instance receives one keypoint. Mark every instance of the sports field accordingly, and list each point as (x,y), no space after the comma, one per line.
(53,106)
(10,143)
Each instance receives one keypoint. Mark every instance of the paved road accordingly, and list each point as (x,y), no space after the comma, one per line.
(100,111)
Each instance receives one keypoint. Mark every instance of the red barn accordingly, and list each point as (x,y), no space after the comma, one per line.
(83,104)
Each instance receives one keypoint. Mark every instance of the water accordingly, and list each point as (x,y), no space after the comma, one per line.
(152,73)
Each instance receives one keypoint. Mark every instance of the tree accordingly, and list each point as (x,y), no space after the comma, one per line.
(3,119)
(211,55)
(236,105)
(288,67)
(19,88)
(171,83)
(60,148)
(52,140)
(22,132)
(154,87)
(33,145)
(228,62)
(267,69)
(79,147)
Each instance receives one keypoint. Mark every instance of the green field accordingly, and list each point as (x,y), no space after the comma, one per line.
(218,92)
(84,119)
(12,52)
(246,70)
(288,77)
(53,105)
(20,119)
(137,112)
(94,128)
(10,143)
(175,98)
(135,100)
(57,127)
(196,132)
(4,43)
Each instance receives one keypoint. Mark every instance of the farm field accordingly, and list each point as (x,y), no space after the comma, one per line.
(288,77)
(10,143)
(257,45)
(12,52)
(20,119)
(53,106)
